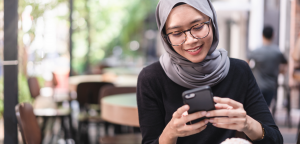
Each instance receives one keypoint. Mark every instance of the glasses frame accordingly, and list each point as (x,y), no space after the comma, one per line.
(168,39)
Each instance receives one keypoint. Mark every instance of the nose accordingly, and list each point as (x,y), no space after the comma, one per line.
(189,38)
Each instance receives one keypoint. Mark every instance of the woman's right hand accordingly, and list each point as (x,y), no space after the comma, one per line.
(177,126)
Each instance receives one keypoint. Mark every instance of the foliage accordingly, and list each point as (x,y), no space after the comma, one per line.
(100,25)
(38,9)
(24,94)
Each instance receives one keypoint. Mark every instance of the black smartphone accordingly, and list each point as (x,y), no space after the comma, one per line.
(199,99)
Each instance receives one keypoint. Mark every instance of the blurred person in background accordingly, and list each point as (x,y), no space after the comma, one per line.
(265,62)
(189,32)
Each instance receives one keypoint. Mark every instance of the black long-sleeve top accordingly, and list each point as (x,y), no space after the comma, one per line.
(158,97)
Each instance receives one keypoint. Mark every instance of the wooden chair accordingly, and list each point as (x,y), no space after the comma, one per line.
(28,125)
(46,108)
(34,87)
(88,93)
(111,90)
(88,99)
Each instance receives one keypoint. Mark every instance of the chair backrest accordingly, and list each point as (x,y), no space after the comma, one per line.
(88,92)
(28,125)
(111,90)
(34,87)
(54,80)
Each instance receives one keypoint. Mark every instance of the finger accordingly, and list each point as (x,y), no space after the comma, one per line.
(225,112)
(227,126)
(197,130)
(228,101)
(192,127)
(223,106)
(184,114)
(177,123)
(180,111)
(226,120)
(193,116)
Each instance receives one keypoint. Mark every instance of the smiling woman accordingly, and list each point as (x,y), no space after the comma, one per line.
(189,33)
(199,27)
(190,36)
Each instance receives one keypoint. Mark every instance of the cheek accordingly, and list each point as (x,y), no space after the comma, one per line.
(209,39)
(178,49)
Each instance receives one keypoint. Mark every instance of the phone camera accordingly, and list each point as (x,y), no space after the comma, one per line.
(189,96)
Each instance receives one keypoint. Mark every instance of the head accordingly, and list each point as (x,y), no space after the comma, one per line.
(268,33)
(182,17)
(187,17)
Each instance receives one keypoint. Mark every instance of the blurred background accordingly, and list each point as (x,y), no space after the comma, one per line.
(63,43)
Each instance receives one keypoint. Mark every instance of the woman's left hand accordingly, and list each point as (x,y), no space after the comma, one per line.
(232,117)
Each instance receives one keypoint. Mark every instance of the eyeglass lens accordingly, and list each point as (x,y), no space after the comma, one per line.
(198,32)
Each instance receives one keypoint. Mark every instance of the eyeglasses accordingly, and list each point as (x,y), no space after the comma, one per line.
(198,31)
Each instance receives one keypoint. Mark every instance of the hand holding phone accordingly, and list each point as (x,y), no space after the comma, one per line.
(178,127)
(199,99)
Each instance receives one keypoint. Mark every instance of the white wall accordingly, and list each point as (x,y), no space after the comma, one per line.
(256,23)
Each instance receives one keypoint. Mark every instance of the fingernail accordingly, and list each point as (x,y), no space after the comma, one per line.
(186,107)
(203,113)
(211,120)
(208,114)
(215,124)
(206,121)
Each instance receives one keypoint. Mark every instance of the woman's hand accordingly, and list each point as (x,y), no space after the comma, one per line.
(177,126)
(234,118)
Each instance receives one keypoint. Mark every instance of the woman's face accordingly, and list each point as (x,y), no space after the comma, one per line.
(181,18)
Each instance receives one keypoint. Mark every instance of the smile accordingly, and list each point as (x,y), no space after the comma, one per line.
(194,51)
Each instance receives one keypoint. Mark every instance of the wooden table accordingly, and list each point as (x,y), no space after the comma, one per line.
(120,80)
(120,109)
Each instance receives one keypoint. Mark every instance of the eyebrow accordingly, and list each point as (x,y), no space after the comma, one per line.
(194,21)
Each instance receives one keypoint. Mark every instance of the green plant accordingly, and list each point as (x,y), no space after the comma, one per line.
(99,26)
(24,94)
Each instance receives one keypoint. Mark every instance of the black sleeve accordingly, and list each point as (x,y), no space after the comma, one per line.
(256,107)
(150,106)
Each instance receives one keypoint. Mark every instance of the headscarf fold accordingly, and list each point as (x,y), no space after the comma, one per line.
(212,70)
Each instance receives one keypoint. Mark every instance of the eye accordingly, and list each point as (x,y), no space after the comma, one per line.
(198,27)
(176,34)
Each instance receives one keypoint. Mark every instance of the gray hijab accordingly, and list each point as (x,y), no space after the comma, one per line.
(212,70)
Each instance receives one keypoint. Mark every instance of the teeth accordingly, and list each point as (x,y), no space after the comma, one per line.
(194,49)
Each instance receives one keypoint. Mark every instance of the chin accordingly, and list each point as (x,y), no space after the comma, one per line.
(196,60)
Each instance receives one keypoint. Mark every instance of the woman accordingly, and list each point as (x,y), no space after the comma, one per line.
(189,33)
